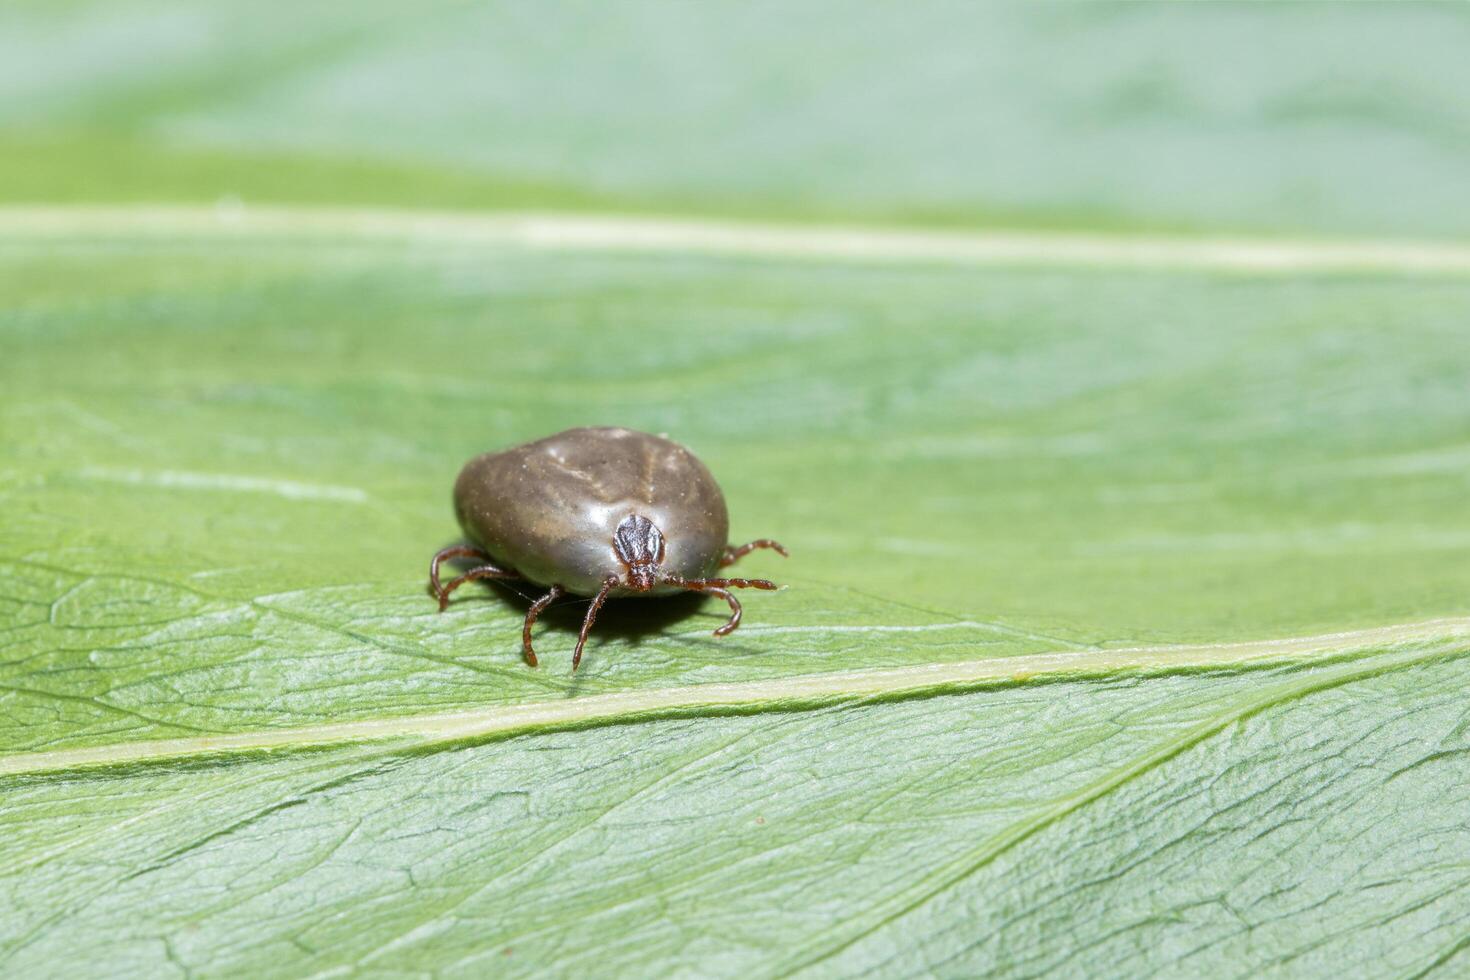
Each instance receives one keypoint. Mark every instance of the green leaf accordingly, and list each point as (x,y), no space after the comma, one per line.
(1046,516)
(1125,627)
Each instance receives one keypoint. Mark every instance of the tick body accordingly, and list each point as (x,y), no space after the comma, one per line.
(598,512)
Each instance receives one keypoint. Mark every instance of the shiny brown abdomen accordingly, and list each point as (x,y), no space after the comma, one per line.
(549,508)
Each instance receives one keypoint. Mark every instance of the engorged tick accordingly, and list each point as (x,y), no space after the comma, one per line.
(596,512)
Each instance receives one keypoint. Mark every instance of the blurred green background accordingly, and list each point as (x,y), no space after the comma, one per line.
(1292,117)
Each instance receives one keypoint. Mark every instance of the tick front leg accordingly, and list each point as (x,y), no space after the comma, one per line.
(597,601)
(531,614)
(705,584)
(732,554)
(720,587)
(729,597)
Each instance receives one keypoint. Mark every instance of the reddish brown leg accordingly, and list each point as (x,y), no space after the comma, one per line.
(703,584)
(720,587)
(454,551)
(734,620)
(484,571)
(531,614)
(597,601)
(732,555)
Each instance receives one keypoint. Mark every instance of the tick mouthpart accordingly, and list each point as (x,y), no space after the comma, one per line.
(642,576)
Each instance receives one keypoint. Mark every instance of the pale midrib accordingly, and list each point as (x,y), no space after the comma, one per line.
(612,232)
(785,692)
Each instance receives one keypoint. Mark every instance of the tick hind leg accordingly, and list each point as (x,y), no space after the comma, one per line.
(487,570)
(733,554)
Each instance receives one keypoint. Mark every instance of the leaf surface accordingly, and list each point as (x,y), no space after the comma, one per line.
(1124,630)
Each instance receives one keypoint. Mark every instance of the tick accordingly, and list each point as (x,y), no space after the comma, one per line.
(599,512)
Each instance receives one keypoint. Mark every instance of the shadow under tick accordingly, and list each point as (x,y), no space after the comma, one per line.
(628,619)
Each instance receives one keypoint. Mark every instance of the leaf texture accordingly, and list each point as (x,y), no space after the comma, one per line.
(1124,631)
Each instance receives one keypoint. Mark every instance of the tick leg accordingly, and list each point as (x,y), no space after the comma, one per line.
(453,551)
(484,571)
(705,584)
(721,587)
(725,594)
(531,614)
(597,602)
(732,555)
